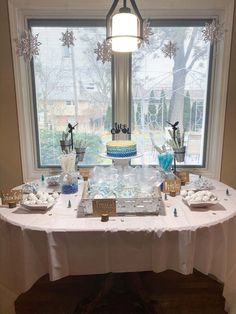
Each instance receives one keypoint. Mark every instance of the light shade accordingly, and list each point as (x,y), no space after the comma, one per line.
(125,27)
(124,32)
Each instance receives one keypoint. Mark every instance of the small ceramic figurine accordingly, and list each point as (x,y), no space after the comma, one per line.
(175,212)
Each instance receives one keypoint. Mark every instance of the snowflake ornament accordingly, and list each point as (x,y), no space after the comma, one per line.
(68,38)
(103,51)
(170,49)
(147,31)
(27,46)
(213,32)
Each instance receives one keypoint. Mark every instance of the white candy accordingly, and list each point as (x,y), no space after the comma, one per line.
(55,195)
(201,193)
(98,196)
(32,197)
(43,198)
(50,199)
(184,193)
(39,194)
(200,196)
(190,193)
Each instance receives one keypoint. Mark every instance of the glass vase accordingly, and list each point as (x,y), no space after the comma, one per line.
(69,182)
(165,161)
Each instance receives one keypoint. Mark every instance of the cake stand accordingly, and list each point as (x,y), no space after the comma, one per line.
(120,161)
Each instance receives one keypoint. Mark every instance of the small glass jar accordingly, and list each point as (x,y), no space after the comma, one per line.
(69,182)
(165,161)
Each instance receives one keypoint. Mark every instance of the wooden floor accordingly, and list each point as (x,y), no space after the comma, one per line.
(165,293)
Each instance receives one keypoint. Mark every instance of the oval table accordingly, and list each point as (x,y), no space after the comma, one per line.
(57,242)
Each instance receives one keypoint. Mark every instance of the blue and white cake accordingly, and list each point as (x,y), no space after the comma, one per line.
(121,149)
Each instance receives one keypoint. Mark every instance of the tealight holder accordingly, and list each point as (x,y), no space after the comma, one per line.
(11,196)
(183,176)
(172,186)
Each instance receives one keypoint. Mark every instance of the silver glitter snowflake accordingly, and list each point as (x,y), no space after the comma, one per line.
(103,51)
(28,45)
(170,49)
(147,31)
(68,38)
(213,32)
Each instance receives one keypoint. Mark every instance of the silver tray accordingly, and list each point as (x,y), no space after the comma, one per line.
(124,206)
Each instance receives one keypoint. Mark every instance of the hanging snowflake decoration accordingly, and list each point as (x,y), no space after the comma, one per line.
(170,49)
(213,32)
(68,38)
(27,46)
(147,31)
(103,51)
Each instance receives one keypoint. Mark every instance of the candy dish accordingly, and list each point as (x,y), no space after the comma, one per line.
(37,207)
(199,199)
(39,201)
(53,180)
(199,184)
(199,204)
(28,188)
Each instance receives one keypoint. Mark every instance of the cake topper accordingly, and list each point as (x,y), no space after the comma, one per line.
(118,127)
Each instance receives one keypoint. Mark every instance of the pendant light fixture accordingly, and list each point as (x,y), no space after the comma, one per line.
(124,28)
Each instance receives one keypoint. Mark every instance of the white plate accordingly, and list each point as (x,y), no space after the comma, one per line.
(104,155)
(199,204)
(38,207)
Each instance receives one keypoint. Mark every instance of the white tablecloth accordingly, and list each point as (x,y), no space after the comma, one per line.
(58,243)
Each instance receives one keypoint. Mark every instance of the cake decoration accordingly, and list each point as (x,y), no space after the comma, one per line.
(120,128)
(121,148)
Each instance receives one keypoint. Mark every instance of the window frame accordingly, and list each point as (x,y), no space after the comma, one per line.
(20,11)
(67,23)
(188,23)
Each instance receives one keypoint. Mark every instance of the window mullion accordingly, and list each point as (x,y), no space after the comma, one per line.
(121,89)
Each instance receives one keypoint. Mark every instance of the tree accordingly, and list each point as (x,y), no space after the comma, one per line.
(132,116)
(49,78)
(108,118)
(193,116)
(187,112)
(98,73)
(138,114)
(190,50)
(162,116)
(152,110)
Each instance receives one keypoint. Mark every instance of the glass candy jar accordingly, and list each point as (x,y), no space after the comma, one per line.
(69,182)
(165,161)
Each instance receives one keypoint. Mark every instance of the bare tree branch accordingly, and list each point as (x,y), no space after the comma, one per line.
(190,44)
(196,57)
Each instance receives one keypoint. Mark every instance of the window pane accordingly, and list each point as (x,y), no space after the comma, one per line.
(171,89)
(71,86)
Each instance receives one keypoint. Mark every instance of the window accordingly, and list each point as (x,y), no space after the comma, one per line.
(163,89)
(172,89)
(70,86)
(44,15)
